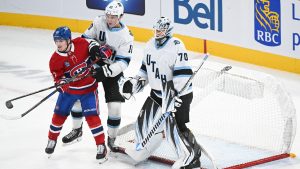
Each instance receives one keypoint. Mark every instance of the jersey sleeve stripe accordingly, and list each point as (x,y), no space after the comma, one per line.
(182,72)
(182,67)
(124,59)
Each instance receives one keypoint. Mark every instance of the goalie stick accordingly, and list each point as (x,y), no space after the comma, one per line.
(169,95)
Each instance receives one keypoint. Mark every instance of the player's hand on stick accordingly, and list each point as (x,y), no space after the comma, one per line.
(101,73)
(62,85)
(178,102)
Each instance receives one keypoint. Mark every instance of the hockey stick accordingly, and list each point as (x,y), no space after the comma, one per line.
(29,110)
(9,104)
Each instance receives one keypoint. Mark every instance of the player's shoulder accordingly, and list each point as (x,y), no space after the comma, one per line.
(79,40)
(150,42)
(98,23)
(99,19)
(176,41)
(55,58)
(126,34)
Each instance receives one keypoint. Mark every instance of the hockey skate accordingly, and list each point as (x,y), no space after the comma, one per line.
(74,136)
(194,164)
(111,144)
(101,153)
(50,147)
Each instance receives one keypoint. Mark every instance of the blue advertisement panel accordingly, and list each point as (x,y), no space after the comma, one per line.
(136,7)
(267,22)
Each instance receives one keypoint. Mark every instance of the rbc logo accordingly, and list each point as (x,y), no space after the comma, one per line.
(203,15)
(267,22)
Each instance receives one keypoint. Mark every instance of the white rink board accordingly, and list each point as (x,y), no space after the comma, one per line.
(237,19)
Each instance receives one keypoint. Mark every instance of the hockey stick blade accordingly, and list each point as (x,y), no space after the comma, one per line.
(29,110)
(9,105)
(6,117)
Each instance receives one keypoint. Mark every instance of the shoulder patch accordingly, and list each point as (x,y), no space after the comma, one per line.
(176,42)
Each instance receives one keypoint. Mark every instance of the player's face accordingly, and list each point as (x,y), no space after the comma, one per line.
(112,21)
(62,45)
(160,33)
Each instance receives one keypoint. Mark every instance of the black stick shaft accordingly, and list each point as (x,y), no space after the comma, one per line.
(40,102)
(29,94)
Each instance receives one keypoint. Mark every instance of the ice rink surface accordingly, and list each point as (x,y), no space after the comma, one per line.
(24,58)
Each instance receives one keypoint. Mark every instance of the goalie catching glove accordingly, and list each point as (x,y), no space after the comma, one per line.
(131,85)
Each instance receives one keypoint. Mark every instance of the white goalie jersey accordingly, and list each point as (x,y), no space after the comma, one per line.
(168,62)
(119,39)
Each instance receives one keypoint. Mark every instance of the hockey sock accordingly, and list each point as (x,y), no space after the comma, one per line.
(77,119)
(114,118)
(56,126)
(113,124)
(94,123)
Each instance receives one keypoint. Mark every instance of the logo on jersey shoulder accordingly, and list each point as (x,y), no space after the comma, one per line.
(80,69)
(267,22)
(176,42)
(67,64)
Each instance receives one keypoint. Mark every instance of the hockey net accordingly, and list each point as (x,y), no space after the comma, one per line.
(241,118)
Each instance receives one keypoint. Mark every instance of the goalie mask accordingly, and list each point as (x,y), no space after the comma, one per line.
(162,30)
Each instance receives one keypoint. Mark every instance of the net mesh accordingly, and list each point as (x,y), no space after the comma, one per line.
(238,116)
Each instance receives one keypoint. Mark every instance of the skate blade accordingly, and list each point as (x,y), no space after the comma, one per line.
(72,142)
(103,160)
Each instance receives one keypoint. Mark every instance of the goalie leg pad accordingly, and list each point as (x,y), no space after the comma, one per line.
(183,149)
(143,154)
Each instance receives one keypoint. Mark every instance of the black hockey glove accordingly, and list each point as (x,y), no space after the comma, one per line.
(100,52)
(134,85)
(127,88)
(101,73)
(98,74)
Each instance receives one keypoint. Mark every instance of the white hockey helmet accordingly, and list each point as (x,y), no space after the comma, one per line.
(163,27)
(115,8)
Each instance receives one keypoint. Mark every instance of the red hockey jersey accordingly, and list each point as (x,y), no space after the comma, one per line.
(67,65)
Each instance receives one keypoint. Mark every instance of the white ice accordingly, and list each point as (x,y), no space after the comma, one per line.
(24,68)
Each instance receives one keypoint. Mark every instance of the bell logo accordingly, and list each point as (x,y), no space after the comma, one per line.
(267,22)
(203,15)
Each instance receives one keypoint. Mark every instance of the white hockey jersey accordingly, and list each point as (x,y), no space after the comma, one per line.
(119,39)
(168,62)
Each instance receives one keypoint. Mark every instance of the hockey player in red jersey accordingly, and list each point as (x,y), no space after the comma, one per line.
(71,62)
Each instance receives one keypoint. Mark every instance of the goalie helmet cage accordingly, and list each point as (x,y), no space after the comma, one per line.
(242,118)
